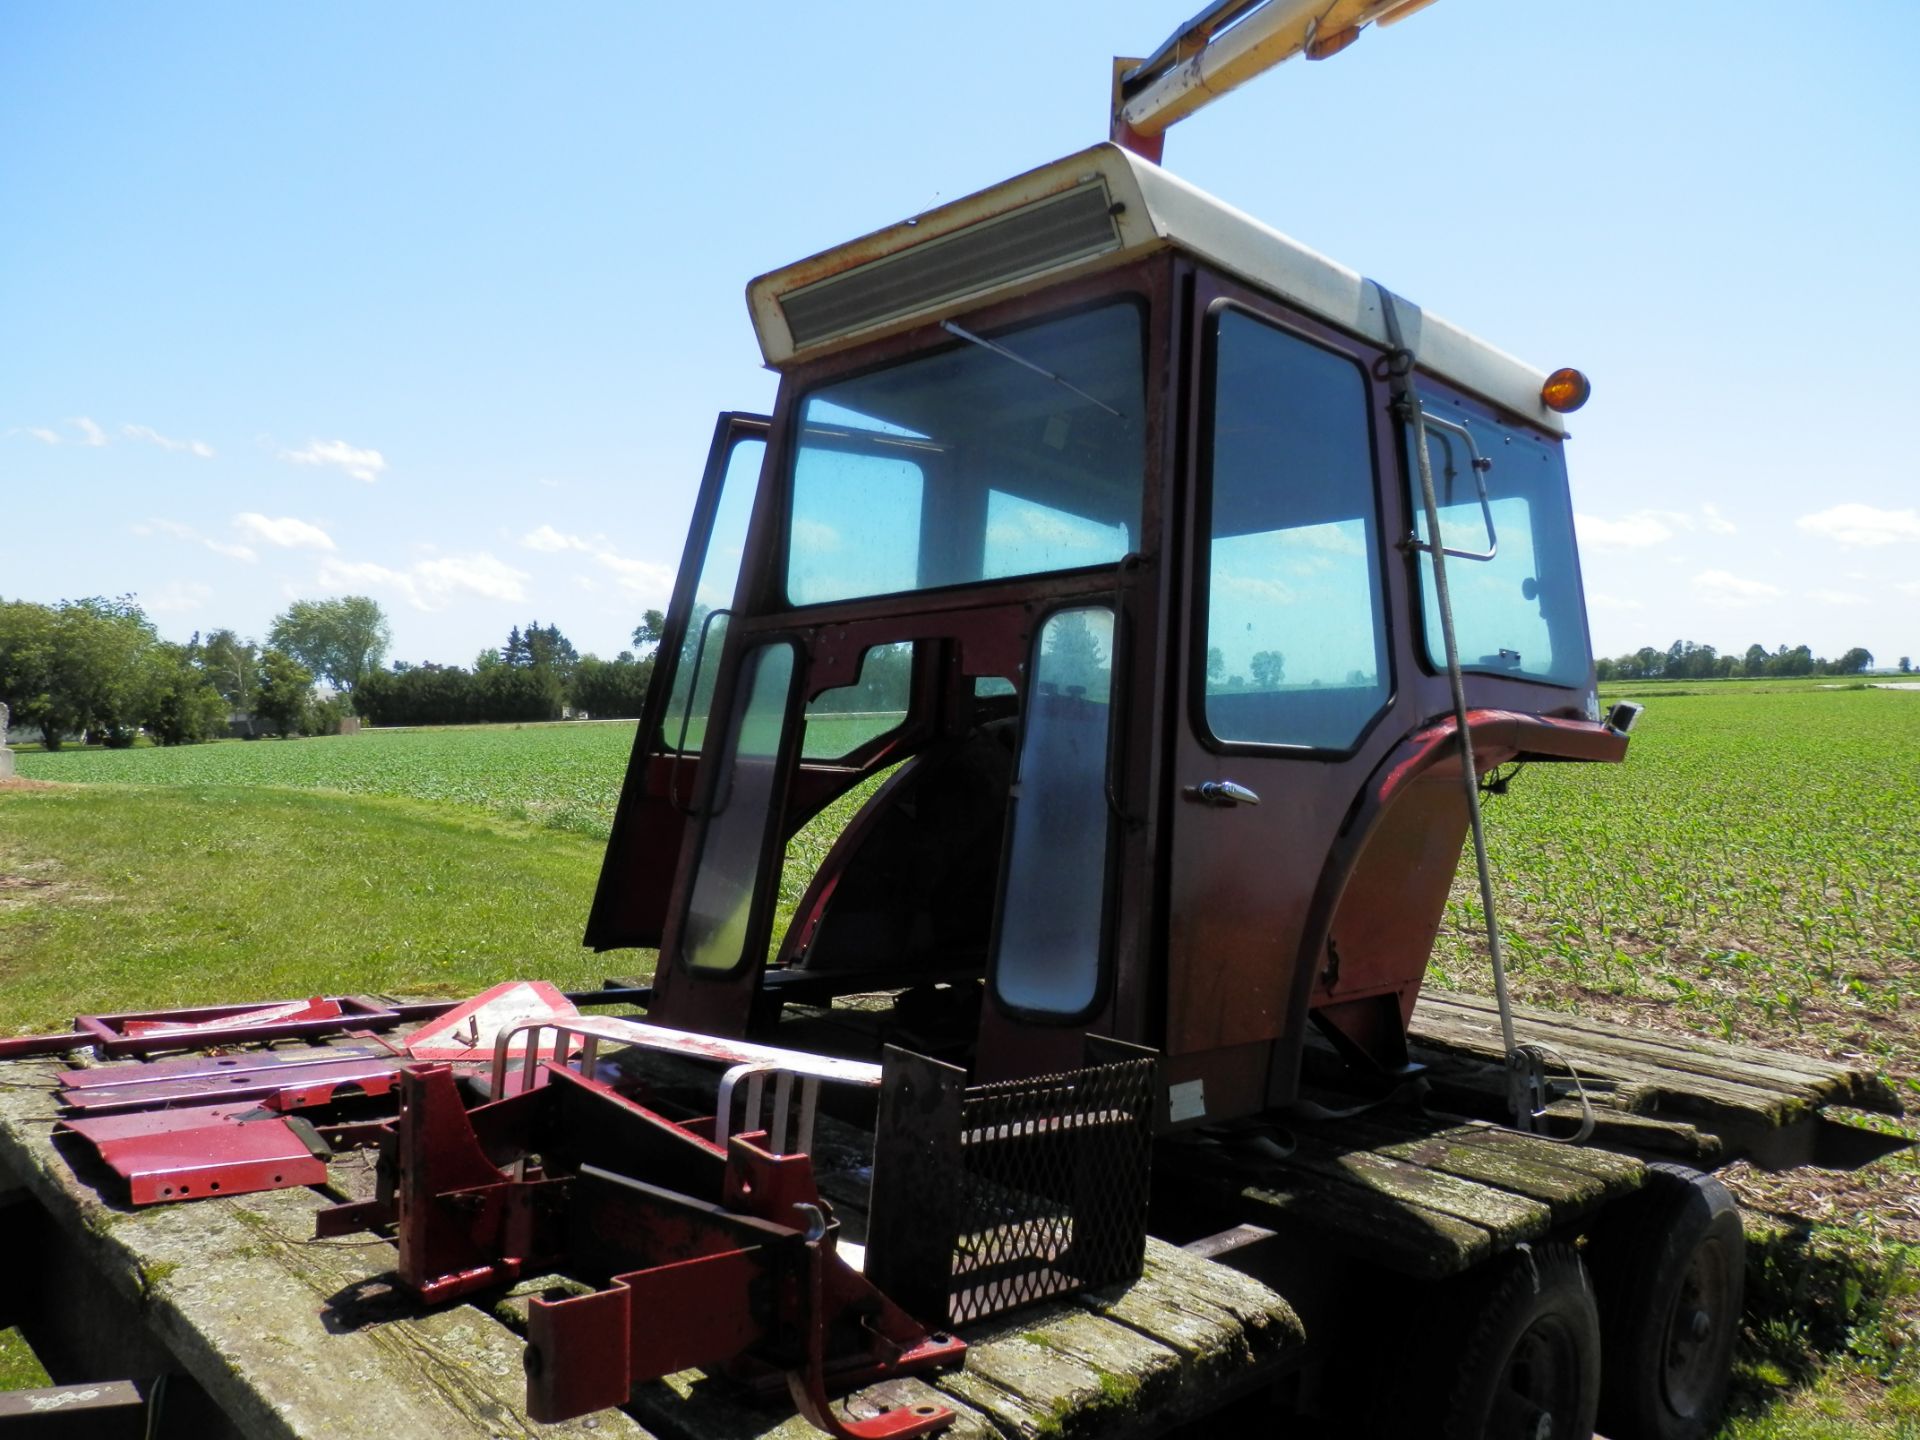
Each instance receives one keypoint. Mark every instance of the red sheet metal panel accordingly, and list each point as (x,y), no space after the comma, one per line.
(207,1150)
(295,1087)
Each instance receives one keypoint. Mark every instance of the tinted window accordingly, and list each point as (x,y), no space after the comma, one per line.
(692,695)
(1296,636)
(973,463)
(721,906)
(1520,612)
(1055,894)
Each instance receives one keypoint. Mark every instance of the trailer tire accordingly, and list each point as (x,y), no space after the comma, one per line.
(1669,1265)
(1529,1367)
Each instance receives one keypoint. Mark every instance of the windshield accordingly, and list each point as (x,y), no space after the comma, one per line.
(1518,613)
(973,463)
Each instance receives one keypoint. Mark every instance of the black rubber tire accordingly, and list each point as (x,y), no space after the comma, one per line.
(1669,1265)
(1529,1367)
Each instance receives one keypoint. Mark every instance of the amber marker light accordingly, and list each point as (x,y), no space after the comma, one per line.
(1566,390)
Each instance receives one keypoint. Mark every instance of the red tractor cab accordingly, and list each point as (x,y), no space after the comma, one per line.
(1091,517)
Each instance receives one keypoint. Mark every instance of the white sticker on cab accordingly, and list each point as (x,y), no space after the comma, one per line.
(1187,1100)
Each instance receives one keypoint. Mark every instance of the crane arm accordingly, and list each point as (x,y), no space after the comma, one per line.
(1222,48)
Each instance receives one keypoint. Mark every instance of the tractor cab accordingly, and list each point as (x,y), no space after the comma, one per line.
(1084,583)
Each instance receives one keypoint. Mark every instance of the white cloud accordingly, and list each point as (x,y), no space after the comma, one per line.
(641,577)
(1855,524)
(478,574)
(177,531)
(1836,597)
(285,531)
(90,433)
(44,435)
(431,584)
(552,541)
(1908,587)
(1732,592)
(178,596)
(167,442)
(361,464)
(1644,528)
(1635,532)
(1600,600)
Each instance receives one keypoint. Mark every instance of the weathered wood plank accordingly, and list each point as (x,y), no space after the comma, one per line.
(1830,1081)
(1227,1326)
(1640,1083)
(1507,1218)
(290,1339)
(1405,1236)
(1527,1169)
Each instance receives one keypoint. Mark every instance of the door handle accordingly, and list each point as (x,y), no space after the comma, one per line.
(1222,792)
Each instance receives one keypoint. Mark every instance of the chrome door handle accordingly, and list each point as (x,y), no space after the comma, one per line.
(1222,792)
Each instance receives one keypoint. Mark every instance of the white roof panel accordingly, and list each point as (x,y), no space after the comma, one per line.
(959,257)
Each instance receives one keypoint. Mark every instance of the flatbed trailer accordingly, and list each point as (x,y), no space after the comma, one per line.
(264,1331)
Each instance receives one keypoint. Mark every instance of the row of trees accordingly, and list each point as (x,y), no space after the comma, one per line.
(536,675)
(97,668)
(1684,660)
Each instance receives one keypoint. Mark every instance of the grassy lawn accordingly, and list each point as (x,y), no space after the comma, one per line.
(139,897)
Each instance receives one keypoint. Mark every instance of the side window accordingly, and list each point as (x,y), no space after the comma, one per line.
(691,698)
(734,842)
(1296,630)
(1047,957)
(1518,613)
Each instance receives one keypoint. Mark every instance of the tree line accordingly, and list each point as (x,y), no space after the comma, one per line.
(536,675)
(97,669)
(1684,660)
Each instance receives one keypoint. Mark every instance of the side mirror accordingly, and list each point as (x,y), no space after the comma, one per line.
(1623,715)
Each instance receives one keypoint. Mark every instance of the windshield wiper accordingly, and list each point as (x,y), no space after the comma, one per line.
(1001,350)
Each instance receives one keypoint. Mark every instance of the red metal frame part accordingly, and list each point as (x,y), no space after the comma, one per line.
(190,1154)
(144,1032)
(736,1246)
(279,1087)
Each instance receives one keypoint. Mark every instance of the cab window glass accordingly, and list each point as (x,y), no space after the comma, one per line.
(1019,453)
(732,849)
(1296,633)
(694,668)
(1054,899)
(1518,613)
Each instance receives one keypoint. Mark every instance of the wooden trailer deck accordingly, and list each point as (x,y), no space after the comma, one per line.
(1431,1187)
(283,1336)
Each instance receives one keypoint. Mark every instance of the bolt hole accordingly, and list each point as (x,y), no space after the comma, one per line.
(213,1185)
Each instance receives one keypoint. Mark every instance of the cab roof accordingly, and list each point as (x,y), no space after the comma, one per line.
(1091,211)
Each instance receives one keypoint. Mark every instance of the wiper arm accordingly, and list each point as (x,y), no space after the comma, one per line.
(1001,350)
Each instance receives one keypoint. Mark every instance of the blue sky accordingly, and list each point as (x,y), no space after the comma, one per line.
(436,303)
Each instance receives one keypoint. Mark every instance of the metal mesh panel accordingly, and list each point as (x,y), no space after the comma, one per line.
(1052,1187)
(992,253)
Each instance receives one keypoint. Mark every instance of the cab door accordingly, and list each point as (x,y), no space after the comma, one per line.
(1287,674)
(650,824)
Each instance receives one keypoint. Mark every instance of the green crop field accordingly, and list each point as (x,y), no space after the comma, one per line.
(1752,871)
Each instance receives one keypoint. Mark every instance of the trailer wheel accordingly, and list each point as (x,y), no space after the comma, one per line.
(1669,1265)
(1530,1365)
